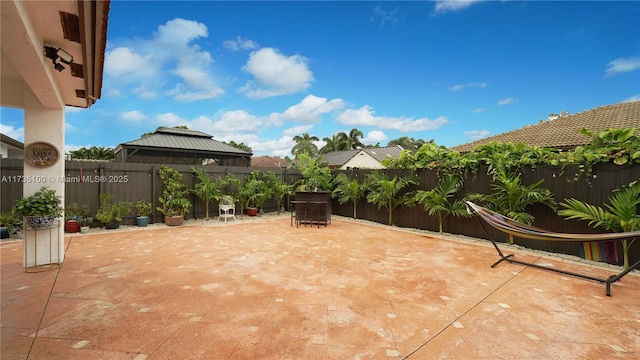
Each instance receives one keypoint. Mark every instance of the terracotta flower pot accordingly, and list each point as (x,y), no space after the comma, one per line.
(252,211)
(174,220)
(71,226)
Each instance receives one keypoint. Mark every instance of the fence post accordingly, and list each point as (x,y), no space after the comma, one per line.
(153,194)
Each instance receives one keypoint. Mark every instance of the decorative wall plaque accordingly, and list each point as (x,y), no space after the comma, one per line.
(41,154)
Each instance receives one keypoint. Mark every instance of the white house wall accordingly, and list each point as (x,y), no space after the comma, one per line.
(362,160)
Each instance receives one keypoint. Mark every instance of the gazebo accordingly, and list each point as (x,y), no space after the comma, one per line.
(181,146)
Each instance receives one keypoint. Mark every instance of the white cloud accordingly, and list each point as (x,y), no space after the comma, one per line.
(443,6)
(297,130)
(374,137)
(276,74)
(230,122)
(478,110)
(10,131)
(73,109)
(171,120)
(240,43)
(384,16)
(144,93)
(114,93)
(365,117)
(478,84)
(476,134)
(126,64)
(307,111)
(178,33)
(168,57)
(635,97)
(72,147)
(70,127)
(506,101)
(622,65)
(134,115)
(470,85)
(280,147)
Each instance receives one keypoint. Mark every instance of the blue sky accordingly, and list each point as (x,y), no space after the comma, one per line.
(263,72)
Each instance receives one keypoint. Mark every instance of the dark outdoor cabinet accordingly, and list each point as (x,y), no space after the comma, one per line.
(318,206)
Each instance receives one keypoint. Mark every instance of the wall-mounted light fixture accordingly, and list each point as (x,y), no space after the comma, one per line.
(58,54)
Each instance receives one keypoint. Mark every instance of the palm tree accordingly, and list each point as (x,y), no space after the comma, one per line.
(407,143)
(93,153)
(349,190)
(241,146)
(304,144)
(353,141)
(384,191)
(279,189)
(331,144)
(620,215)
(250,193)
(511,197)
(316,174)
(206,189)
(436,200)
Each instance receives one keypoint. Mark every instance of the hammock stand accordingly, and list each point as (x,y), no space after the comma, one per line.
(510,226)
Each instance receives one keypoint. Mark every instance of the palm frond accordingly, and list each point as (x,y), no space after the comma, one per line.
(597,216)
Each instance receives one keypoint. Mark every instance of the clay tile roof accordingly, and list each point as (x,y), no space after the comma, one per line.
(563,132)
(268,162)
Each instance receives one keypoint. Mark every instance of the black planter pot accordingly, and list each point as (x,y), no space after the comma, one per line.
(113,224)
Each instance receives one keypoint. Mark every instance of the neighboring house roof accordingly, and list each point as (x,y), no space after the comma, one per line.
(180,143)
(563,132)
(268,162)
(11,141)
(336,159)
(369,158)
(10,147)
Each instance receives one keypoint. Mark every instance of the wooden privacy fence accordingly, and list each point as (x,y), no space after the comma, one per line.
(595,190)
(86,180)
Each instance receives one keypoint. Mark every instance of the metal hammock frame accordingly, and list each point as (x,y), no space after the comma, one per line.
(510,226)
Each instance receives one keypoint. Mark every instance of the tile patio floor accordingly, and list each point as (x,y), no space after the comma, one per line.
(265,290)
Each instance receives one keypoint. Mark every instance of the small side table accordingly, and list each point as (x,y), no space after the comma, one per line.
(50,232)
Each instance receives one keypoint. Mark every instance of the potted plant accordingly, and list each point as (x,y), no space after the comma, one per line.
(72,216)
(143,210)
(85,223)
(111,213)
(173,202)
(40,209)
(252,193)
(8,223)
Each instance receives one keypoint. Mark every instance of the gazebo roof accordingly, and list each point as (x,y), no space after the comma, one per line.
(183,140)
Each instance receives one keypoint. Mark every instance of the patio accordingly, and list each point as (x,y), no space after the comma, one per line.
(262,289)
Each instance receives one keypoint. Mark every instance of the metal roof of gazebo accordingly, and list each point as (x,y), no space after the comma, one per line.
(172,143)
